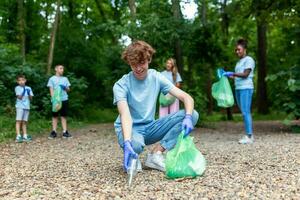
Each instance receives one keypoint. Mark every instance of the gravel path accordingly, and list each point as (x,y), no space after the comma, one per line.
(88,166)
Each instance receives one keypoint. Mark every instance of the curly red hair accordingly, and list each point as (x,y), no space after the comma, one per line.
(138,52)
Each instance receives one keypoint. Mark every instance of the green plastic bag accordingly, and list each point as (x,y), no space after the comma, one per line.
(222,92)
(185,160)
(56,99)
(166,100)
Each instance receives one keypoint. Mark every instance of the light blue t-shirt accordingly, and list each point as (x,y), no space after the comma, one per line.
(169,76)
(244,83)
(141,95)
(23,103)
(55,81)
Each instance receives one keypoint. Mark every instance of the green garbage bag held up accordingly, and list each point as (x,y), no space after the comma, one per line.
(185,160)
(166,100)
(222,92)
(56,99)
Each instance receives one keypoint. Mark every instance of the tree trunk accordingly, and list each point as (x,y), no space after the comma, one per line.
(132,8)
(71,8)
(178,49)
(52,39)
(203,12)
(262,100)
(202,9)
(208,90)
(21,21)
(225,26)
(225,22)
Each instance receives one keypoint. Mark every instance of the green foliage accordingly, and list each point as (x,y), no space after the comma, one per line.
(88,44)
(216,117)
(37,80)
(98,115)
(287,85)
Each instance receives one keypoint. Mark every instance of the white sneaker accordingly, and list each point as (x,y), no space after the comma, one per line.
(246,140)
(156,161)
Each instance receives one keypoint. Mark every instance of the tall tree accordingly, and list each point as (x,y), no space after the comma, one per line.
(224,28)
(132,8)
(203,11)
(224,21)
(261,14)
(52,39)
(202,8)
(22,36)
(178,49)
(262,97)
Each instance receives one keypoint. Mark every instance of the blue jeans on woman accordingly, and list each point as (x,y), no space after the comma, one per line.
(164,130)
(244,100)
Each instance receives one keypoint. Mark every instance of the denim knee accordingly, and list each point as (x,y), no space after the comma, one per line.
(137,140)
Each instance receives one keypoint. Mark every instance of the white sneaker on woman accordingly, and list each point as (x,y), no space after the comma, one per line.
(246,139)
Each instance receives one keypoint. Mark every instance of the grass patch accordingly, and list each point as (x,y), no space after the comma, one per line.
(37,125)
(237,117)
(97,115)
(295,129)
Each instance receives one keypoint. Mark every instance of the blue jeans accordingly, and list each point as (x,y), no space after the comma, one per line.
(244,100)
(164,130)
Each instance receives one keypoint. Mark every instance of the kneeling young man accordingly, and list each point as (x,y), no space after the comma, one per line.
(135,95)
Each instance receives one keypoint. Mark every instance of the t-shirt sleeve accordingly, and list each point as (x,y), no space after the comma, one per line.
(249,64)
(120,91)
(178,78)
(31,93)
(50,83)
(165,84)
(67,82)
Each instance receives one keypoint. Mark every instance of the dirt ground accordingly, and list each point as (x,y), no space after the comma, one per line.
(89,166)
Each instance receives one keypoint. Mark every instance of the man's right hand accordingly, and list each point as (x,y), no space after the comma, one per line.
(128,152)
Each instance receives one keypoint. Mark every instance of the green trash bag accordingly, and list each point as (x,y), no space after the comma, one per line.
(222,92)
(166,100)
(185,160)
(56,99)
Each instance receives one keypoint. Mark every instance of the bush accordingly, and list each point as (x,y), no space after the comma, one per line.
(37,80)
(286,91)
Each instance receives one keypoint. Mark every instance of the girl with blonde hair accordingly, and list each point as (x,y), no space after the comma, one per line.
(171,73)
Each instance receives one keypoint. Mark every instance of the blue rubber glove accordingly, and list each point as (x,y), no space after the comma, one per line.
(187,125)
(63,87)
(128,152)
(28,91)
(24,92)
(228,74)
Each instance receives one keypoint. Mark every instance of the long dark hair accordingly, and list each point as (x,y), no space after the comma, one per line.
(174,69)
